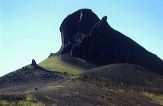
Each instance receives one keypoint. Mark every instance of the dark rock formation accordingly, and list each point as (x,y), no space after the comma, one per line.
(91,39)
(34,64)
(80,21)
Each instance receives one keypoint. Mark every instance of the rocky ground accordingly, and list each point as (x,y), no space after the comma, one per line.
(117,84)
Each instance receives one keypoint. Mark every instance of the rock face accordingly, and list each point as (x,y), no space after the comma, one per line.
(31,72)
(80,21)
(87,37)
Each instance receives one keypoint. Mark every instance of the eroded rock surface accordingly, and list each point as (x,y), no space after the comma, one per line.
(30,73)
(87,37)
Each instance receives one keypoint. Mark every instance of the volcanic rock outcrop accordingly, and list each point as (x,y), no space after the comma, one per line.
(74,24)
(87,37)
(31,72)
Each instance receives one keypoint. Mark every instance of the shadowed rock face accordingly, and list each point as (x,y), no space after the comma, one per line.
(80,21)
(91,39)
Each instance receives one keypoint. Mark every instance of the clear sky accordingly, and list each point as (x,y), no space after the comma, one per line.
(29,29)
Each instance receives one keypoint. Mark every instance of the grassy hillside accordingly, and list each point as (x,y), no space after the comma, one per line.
(65,64)
(56,64)
(111,85)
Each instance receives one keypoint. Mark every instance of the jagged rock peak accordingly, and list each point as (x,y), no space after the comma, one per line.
(34,64)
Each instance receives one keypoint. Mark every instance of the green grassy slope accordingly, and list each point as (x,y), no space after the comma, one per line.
(54,63)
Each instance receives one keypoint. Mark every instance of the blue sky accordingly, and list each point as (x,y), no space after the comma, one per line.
(29,29)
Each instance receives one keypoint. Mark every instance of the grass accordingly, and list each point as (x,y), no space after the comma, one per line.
(156,98)
(56,64)
(30,100)
(20,103)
